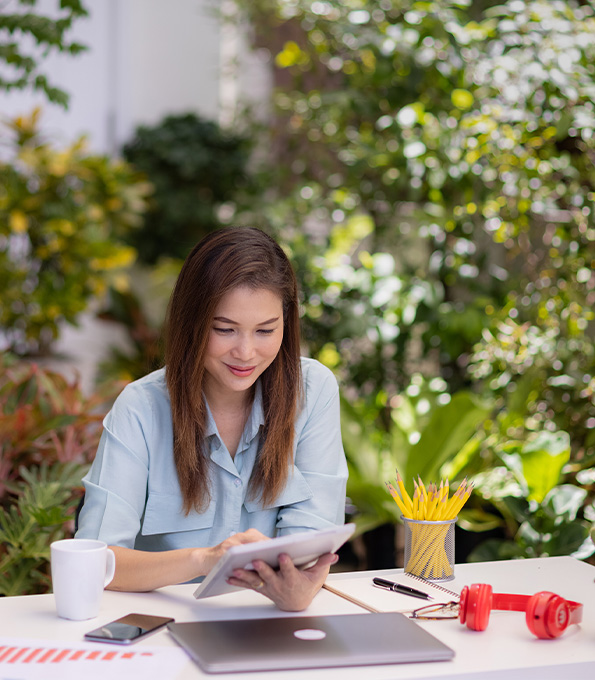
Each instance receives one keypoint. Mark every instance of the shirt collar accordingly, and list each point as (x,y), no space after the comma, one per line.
(253,424)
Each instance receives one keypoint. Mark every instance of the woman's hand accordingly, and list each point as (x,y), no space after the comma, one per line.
(210,556)
(290,588)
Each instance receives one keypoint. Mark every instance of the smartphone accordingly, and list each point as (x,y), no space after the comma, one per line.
(128,629)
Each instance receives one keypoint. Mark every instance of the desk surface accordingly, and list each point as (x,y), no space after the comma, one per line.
(505,650)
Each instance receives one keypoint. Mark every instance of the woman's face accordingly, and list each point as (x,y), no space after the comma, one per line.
(244,339)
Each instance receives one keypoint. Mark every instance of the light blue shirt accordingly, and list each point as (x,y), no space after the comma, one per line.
(132,495)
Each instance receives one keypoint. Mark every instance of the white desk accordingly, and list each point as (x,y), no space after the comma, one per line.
(506,650)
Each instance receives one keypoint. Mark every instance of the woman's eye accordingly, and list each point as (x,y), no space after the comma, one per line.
(266,331)
(223,331)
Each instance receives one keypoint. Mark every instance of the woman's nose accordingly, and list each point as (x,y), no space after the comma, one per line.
(243,349)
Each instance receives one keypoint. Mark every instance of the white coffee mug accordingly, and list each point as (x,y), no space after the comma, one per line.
(81,568)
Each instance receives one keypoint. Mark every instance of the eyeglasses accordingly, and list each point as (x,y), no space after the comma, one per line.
(437,612)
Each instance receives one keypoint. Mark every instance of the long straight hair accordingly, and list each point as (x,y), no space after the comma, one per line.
(222,261)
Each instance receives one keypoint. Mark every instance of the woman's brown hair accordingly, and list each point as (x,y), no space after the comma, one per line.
(223,260)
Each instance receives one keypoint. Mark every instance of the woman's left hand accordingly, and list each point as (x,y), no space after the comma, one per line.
(290,588)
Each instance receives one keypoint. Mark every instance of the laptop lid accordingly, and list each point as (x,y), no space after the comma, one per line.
(307,642)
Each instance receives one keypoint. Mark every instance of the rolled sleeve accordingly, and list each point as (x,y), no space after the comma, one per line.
(319,456)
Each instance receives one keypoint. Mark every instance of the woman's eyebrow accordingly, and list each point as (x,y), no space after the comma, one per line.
(223,319)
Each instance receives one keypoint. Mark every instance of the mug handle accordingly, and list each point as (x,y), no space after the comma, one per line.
(110,567)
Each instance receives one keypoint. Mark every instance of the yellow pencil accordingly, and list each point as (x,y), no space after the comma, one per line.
(434,497)
(454,500)
(423,500)
(463,499)
(416,502)
(450,504)
(404,494)
(397,499)
(441,509)
(421,485)
(446,489)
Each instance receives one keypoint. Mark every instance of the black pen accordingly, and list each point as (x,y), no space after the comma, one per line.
(398,588)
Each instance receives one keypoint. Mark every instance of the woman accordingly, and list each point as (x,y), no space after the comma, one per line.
(235,440)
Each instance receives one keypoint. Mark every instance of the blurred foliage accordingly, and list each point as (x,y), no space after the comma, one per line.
(45,417)
(523,489)
(141,311)
(29,37)
(196,168)
(63,217)
(49,432)
(427,427)
(41,511)
(430,168)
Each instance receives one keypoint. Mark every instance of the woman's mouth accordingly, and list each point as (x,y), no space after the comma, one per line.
(241,371)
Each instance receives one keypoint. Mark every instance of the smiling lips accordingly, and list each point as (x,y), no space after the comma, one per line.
(241,372)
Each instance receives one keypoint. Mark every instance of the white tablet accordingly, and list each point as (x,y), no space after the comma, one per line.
(303,548)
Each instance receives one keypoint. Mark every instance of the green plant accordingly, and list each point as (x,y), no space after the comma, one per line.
(441,163)
(45,417)
(426,430)
(195,167)
(482,193)
(63,215)
(41,511)
(49,432)
(141,310)
(47,33)
(526,494)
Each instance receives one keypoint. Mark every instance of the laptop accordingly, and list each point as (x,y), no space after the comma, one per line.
(307,642)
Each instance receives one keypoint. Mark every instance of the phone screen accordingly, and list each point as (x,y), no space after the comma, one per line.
(128,629)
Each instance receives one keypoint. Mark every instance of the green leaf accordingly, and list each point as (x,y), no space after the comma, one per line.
(567,539)
(539,462)
(450,427)
(495,549)
(564,502)
(478,520)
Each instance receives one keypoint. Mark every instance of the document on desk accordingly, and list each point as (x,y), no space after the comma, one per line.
(34,659)
(361,590)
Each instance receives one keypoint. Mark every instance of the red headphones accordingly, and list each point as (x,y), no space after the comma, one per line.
(548,615)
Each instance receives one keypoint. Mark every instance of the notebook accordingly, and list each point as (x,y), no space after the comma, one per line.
(362,591)
(307,642)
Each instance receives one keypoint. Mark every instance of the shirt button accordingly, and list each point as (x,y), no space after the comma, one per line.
(237,482)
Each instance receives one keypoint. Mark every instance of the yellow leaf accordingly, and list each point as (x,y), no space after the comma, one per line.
(121,283)
(329,356)
(19,223)
(289,56)
(462,99)
(114,204)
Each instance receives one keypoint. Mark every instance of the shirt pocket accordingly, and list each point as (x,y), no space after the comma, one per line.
(296,490)
(164,515)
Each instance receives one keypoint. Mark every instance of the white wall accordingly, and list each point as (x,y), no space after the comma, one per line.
(146,59)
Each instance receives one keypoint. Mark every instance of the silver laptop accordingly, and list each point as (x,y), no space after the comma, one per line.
(307,642)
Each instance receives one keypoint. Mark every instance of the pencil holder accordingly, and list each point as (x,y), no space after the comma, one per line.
(430,549)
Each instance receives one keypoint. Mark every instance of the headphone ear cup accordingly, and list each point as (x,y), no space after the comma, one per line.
(463,604)
(476,605)
(547,615)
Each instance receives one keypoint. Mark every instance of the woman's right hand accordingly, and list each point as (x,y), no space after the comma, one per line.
(210,556)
